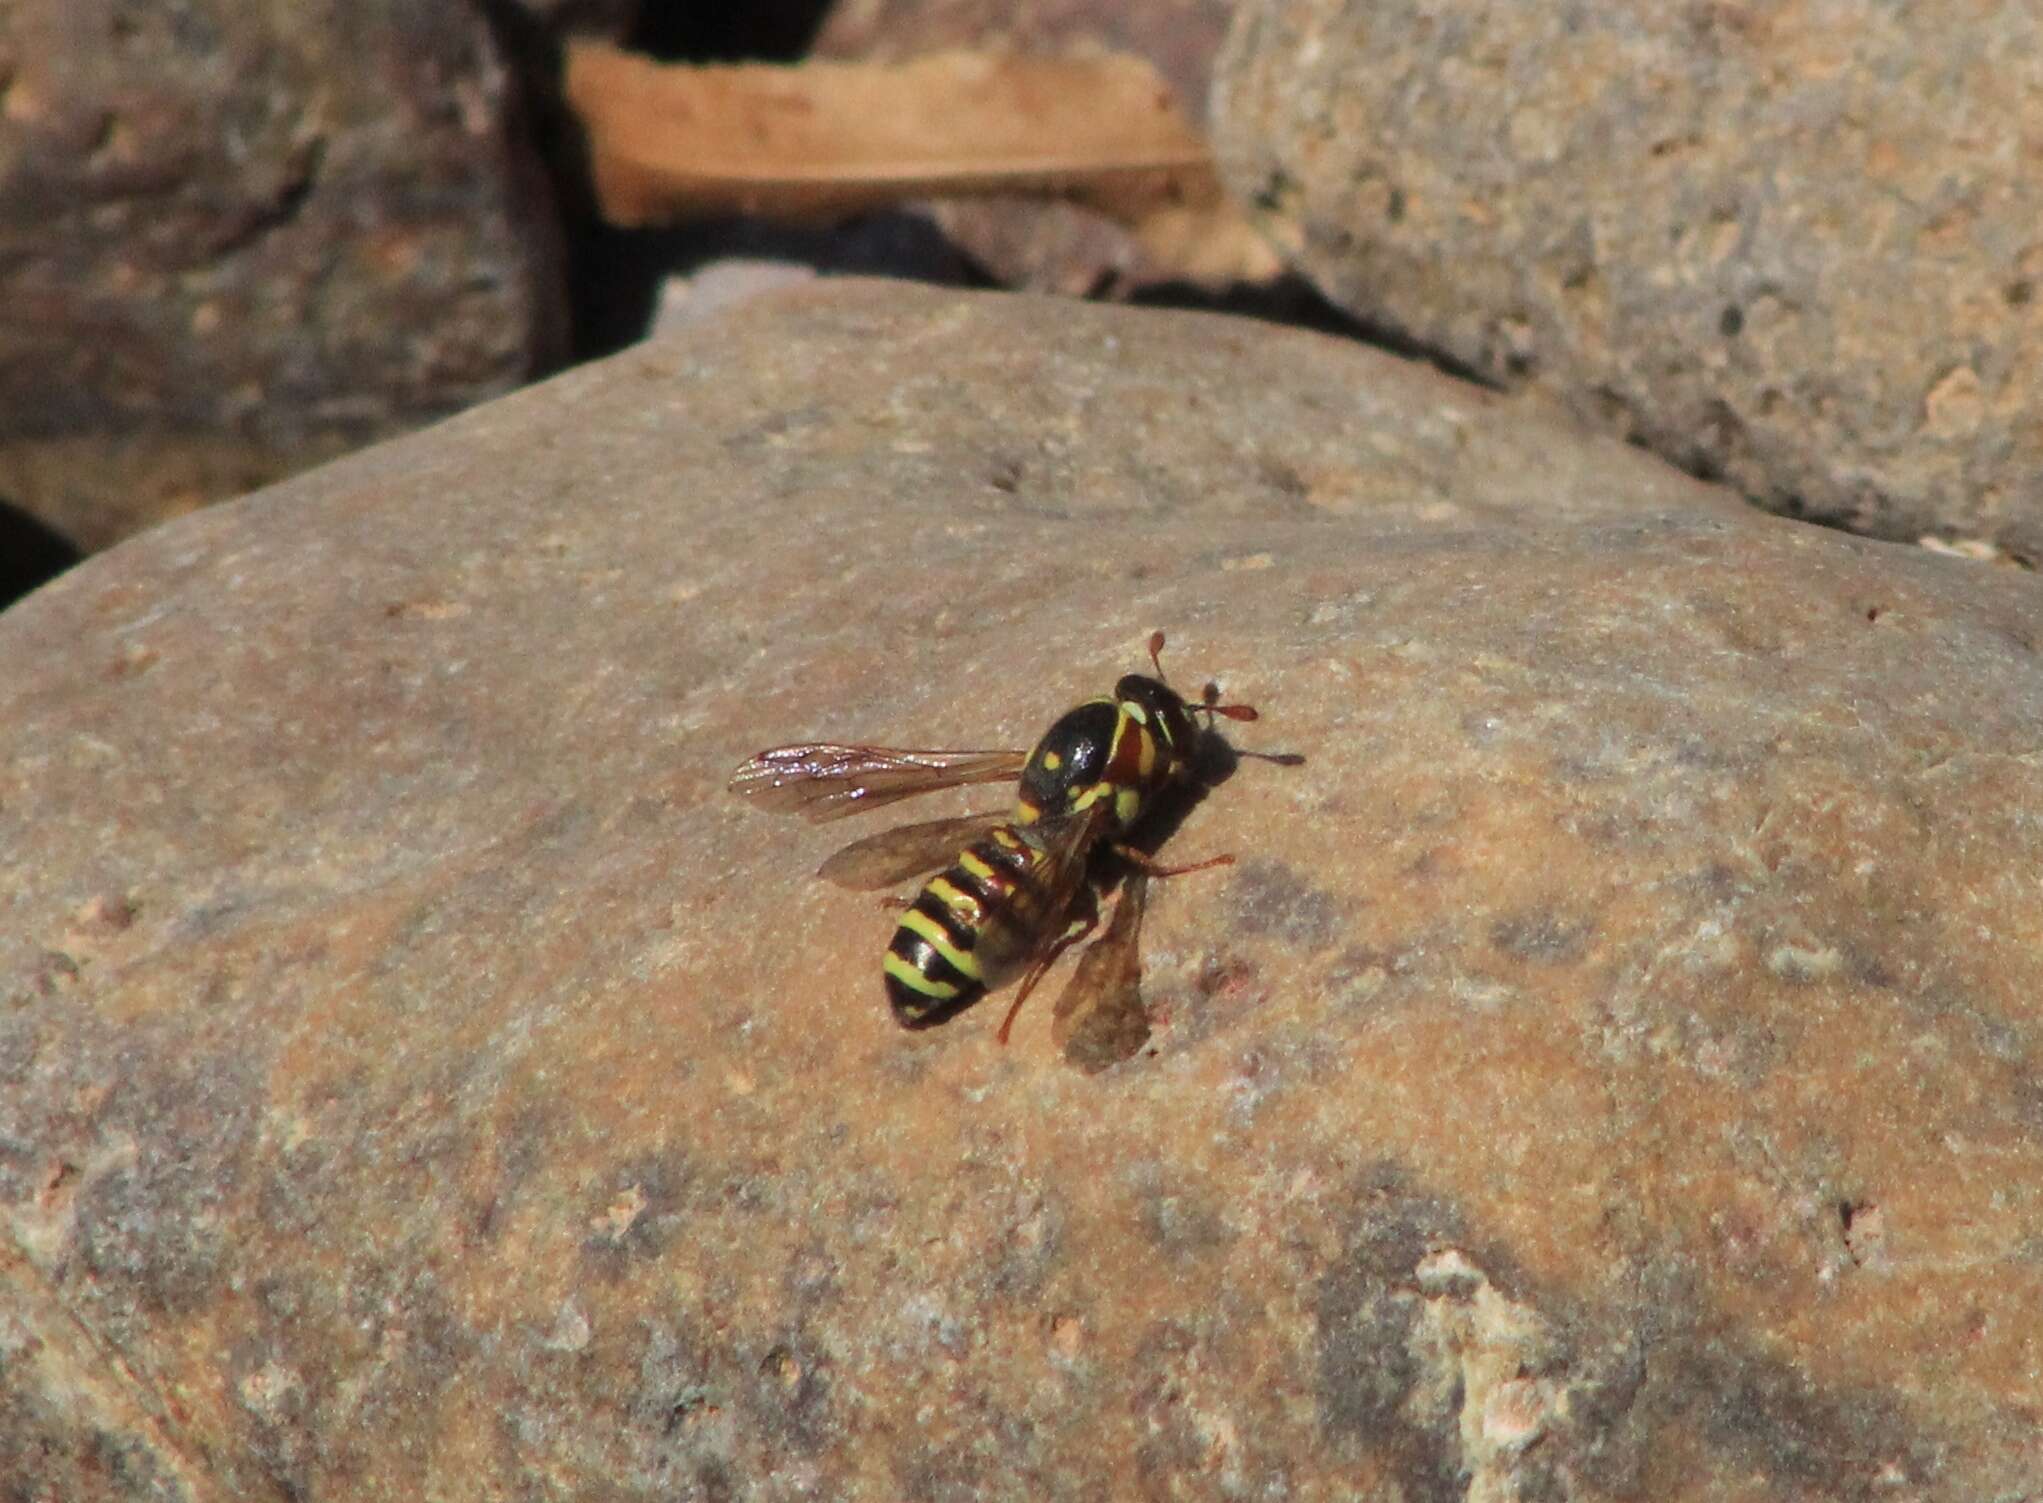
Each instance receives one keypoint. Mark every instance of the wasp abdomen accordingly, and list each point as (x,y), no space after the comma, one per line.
(966,930)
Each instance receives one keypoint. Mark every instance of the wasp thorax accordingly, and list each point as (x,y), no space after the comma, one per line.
(1117,752)
(1071,758)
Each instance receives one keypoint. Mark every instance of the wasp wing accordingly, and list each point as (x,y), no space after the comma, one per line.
(895,855)
(823,780)
(1067,842)
(1063,895)
(1100,1020)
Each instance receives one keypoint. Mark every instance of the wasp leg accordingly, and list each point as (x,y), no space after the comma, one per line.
(1145,864)
(1073,933)
(896,905)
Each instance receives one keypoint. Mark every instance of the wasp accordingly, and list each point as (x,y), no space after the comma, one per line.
(1013,888)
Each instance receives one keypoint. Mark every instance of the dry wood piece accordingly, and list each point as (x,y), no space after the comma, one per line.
(669,142)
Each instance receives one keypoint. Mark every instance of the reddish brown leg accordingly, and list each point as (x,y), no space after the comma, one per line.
(1077,930)
(897,905)
(1144,863)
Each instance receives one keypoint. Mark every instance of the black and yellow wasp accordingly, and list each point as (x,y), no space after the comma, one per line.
(1017,888)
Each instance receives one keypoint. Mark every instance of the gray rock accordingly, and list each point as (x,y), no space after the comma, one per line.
(1611,1070)
(240,236)
(1793,247)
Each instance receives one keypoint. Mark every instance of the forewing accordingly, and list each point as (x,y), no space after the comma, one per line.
(895,855)
(1068,845)
(1063,897)
(823,780)
(1099,1019)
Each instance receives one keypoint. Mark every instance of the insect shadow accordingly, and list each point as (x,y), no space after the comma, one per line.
(1214,762)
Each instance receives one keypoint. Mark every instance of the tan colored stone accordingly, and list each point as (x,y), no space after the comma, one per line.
(1612,1071)
(1794,246)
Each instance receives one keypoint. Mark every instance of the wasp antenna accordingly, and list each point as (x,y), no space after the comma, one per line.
(1156,651)
(1209,701)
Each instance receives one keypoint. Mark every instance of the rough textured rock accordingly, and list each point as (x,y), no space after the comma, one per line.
(1029,242)
(1795,246)
(240,236)
(1612,1072)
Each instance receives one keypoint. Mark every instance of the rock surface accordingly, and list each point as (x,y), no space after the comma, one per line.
(240,236)
(1613,1071)
(1794,246)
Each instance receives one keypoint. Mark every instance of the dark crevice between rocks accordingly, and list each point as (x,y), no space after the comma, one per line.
(1712,456)
(1293,301)
(1795,508)
(31,553)
(613,275)
(767,30)
(538,118)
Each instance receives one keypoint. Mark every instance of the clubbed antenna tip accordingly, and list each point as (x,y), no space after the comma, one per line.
(1210,703)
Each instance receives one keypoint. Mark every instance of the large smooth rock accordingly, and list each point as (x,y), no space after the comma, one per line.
(1612,1070)
(1794,246)
(238,237)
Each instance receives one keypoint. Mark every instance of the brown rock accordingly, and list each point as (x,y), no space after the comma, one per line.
(1612,1071)
(1794,246)
(240,236)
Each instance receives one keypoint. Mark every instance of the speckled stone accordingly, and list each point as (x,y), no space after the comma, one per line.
(1794,246)
(1614,1069)
(238,237)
